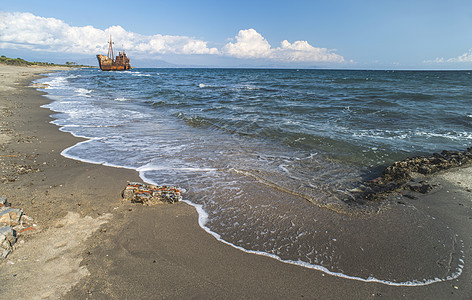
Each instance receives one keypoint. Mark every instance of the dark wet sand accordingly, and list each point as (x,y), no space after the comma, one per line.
(161,252)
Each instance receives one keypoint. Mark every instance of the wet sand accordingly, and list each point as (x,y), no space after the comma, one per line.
(90,244)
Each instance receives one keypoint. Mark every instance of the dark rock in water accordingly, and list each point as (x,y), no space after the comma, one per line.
(403,170)
(419,187)
(400,175)
(147,194)
(409,196)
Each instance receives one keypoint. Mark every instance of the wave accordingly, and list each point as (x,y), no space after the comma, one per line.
(409,134)
(249,127)
(139,74)
(81,92)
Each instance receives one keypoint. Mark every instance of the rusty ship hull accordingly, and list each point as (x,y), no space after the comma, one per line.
(109,63)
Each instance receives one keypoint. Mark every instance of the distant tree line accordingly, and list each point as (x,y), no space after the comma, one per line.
(22,62)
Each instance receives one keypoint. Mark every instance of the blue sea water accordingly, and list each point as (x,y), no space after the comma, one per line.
(263,153)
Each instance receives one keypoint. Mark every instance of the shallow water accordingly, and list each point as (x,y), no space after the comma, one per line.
(268,156)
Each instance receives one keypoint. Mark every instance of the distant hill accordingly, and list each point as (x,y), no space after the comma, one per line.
(22,62)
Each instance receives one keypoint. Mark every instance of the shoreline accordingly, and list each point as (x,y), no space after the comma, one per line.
(152,249)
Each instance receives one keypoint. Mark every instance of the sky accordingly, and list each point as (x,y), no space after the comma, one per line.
(338,34)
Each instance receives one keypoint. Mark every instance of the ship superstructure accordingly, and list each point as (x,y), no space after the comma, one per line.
(108,63)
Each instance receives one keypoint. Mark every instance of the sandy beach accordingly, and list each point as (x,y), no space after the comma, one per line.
(91,244)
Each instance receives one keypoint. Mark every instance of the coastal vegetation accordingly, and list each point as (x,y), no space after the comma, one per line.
(22,62)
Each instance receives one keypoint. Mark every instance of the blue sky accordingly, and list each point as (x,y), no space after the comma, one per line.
(328,34)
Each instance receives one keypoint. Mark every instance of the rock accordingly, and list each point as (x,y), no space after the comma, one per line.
(400,175)
(10,217)
(7,240)
(7,231)
(404,169)
(12,224)
(26,221)
(419,187)
(147,194)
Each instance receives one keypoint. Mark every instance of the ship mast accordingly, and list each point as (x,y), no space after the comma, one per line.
(110,49)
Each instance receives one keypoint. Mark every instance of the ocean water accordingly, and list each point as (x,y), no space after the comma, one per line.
(268,157)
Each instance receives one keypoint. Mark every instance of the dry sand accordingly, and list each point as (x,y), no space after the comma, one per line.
(90,244)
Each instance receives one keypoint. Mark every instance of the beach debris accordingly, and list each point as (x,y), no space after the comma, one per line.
(10,217)
(407,175)
(148,194)
(39,85)
(12,224)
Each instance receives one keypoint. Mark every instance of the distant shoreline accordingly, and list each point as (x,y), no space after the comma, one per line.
(21,62)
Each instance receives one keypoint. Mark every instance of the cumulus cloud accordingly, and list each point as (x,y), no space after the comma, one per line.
(25,30)
(28,31)
(251,44)
(464,58)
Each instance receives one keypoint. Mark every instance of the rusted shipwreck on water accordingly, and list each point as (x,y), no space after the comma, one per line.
(109,63)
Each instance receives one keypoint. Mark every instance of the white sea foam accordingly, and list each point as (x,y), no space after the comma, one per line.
(203,219)
(121,99)
(148,168)
(250,87)
(139,74)
(449,135)
(56,83)
(65,153)
(83,92)
(402,135)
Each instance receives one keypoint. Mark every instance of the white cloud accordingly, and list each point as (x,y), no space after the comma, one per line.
(25,30)
(251,44)
(464,58)
(302,51)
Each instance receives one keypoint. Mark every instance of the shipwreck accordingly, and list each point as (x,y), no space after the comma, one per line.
(109,63)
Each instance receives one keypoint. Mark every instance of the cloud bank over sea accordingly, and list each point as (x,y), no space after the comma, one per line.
(27,31)
(463,58)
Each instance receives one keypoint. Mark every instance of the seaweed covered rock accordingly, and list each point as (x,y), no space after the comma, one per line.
(403,170)
(148,194)
(403,175)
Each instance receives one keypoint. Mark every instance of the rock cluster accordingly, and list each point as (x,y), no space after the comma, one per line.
(147,194)
(12,223)
(404,169)
(404,174)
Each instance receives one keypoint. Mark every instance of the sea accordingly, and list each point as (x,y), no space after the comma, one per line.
(268,157)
